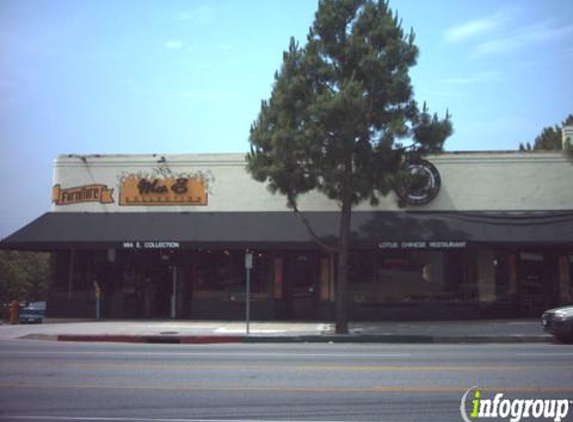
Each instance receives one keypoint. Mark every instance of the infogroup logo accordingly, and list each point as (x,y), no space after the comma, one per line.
(512,409)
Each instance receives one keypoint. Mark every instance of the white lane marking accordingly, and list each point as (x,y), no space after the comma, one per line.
(545,354)
(206,354)
(132,419)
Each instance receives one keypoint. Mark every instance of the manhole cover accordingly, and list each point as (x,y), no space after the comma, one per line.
(168,333)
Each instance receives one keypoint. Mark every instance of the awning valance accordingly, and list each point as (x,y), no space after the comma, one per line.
(385,230)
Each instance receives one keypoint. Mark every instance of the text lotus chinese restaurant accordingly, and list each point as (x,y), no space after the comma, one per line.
(490,235)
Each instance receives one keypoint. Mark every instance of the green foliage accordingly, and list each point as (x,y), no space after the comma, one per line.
(341,106)
(339,111)
(24,276)
(550,138)
(569,142)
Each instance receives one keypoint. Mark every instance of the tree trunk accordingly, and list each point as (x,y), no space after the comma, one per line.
(342,278)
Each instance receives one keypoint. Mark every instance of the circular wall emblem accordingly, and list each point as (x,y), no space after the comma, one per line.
(423,184)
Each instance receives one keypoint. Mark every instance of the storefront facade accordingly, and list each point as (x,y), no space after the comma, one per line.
(165,236)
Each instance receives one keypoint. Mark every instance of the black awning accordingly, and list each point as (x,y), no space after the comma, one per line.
(386,230)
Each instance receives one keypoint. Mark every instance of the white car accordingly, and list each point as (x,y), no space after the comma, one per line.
(559,323)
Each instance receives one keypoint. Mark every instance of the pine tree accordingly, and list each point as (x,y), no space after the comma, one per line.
(339,112)
(550,138)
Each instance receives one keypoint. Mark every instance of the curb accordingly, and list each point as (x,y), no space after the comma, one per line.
(349,338)
(49,337)
(154,339)
(507,339)
(100,338)
(395,338)
(341,338)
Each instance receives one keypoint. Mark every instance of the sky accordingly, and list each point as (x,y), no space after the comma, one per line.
(142,76)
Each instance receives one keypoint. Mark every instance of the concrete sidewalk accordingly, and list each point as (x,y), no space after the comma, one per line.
(190,332)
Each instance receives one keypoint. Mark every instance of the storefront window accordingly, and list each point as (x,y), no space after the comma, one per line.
(505,276)
(417,276)
(221,275)
(76,273)
(397,277)
(432,276)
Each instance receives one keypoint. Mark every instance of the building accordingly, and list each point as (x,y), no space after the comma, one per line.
(491,235)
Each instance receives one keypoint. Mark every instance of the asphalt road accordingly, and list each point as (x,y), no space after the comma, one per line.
(54,381)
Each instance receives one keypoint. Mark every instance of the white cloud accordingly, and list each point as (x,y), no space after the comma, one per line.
(523,37)
(173,45)
(474,28)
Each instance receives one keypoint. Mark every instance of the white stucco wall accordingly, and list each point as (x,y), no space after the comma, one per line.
(470,182)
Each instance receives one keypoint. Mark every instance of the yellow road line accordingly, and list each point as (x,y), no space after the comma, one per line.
(274,389)
(343,368)
(410,368)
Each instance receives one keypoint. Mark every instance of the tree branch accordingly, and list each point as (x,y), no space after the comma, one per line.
(317,239)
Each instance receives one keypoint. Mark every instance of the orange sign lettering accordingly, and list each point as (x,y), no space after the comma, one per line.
(81,194)
(163,191)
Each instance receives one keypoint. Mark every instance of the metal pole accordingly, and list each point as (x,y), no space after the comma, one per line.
(248,267)
(174,295)
(248,316)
